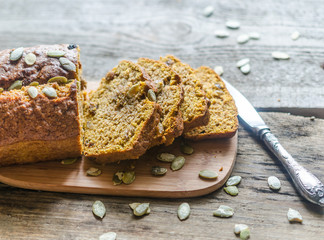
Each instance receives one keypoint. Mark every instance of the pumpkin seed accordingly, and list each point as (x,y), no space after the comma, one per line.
(158,171)
(68,161)
(234,180)
(93,172)
(151,95)
(233,24)
(16,85)
(99,209)
(141,209)
(239,227)
(183,211)
(56,53)
(1,89)
(280,55)
(208,174)
(33,92)
(208,11)
(274,183)
(134,90)
(294,216)
(16,54)
(128,177)
(108,236)
(134,205)
(221,34)
(244,38)
(35,84)
(224,211)
(116,180)
(30,59)
(219,70)
(231,190)
(242,62)
(178,163)
(295,35)
(165,157)
(186,149)
(58,79)
(245,234)
(67,64)
(245,69)
(254,35)
(49,92)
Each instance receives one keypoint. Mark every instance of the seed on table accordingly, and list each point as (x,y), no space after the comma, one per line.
(234,180)
(186,149)
(254,36)
(16,85)
(56,54)
(30,59)
(16,54)
(98,209)
(165,157)
(183,211)
(242,62)
(128,177)
(231,190)
(274,183)
(219,70)
(295,35)
(245,234)
(224,211)
(49,92)
(158,171)
(141,209)
(208,11)
(294,216)
(68,161)
(221,34)
(178,163)
(33,92)
(239,227)
(245,69)
(134,205)
(233,24)
(108,236)
(93,172)
(280,55)
(117,178)
(208,174)
(244,38)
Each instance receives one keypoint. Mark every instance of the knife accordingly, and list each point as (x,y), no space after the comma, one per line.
(307,184)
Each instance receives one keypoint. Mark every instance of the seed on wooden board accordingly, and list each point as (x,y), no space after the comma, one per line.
(34,83)
(183,211)
(221,34)
(16,54)
(280,55)
(67,64)
(133,205)
(186,149)
(141,209)
(158,171)
(165,157)
(108,236)
(234,180)
(30,59)
(219,70)
(58,79)
(99,209)
(128,177)
(33,92)
(16,85)
(245,234)
(151,95)
(274,183)
(244,38)
(56,53)
(208,11)
(242,62)
(208,174)
(233,24)
(68,161)
(178,163)
(231,190)
(295,35)
(49,92)
(116,180)
(294,216)
(254,36)
(224,211)
(245,69)
(239,227)
(93,172)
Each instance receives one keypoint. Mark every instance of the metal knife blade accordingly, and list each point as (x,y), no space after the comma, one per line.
(307,184)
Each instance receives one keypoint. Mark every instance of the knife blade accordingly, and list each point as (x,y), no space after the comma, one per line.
(306,183)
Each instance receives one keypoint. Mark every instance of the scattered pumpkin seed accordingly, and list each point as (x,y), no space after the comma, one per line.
(67,64)
(294,216)
(208,174)
(93,172)
(16,54)
(221,34)
(245,234)
(233,24)
(56,53)
(244,38)
(183,211)
(30,59)
(274,183)
(134,205)
(141,209)
(33,92)
(186,149)
(280,55)
(224,211)
(128,177)
(151,95)
(208,11)
(219,70)
(245,69)
(1,89)
(234,180)
(35,84)
(49,92)
(178,163)
(242,62)
(58,79)
(166,157)
(108,236)
(158,171)
(295,35)
(133,90)
(116,180)
(239,227)
(254,35)
(16,85)
(98,209)
(231,190)
(68,161)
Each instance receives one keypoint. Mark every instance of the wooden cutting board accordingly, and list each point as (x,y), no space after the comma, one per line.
(218,155)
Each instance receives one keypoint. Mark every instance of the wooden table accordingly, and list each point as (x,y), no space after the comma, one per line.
(109,31)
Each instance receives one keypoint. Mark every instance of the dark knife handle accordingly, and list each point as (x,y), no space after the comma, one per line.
(308,185)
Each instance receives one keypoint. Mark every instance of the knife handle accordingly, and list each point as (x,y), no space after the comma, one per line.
(308,185)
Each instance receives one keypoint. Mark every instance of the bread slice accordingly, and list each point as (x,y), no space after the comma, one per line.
(169,96)
(223,121)
(120,120)
(195,105)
